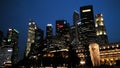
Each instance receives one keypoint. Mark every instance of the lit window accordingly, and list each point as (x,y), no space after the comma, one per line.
(104,33)
(33,22)
(117,45)
(87,10)
(28,39)
(112,46)
(35,27)
(97,33)
(96,25)
(100,32)
(101,19)
(10,29)
(96,19)
(101,23)
(9,40)
(104,47)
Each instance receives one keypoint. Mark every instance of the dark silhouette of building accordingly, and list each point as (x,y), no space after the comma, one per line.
(1,37)
(87,29)
(49,34)
(62,28)
(100,30)
(76,17)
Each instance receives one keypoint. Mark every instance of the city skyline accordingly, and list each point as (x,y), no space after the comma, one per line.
(11,15)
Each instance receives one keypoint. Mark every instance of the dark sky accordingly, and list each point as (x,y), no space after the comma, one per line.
(16,14)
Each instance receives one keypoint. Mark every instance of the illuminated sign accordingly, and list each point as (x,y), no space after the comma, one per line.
(87,10)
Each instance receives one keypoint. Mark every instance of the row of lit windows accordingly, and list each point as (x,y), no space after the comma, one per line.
(100,24)
(100,33)
(107,47)
(99,19)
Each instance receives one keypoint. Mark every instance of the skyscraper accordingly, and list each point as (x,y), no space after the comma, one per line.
(31,36)
(62,28)
(35,39)
(49,33)
(100,30)
(87,29)
(39,42)
(76,17)
(12,39)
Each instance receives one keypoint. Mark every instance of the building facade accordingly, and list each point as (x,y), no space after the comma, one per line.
(87,29)
(6,55)
(110,53)
(100,30)
(49,34)
(31,36)
(12,39)
(34,40)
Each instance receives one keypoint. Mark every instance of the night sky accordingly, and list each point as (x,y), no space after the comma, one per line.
(16,14)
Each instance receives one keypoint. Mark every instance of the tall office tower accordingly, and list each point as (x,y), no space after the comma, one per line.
(12,39)
(39,41)
(87,29)
(31,36)
(35,39)
(1,37)
(62,32)
(62,28)
(100,30)
(75,17)
(49,33)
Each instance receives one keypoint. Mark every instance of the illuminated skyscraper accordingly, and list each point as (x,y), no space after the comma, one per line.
(35,39)
(102,38)
(36,46)
(31,36)
(12,39)
(87,29)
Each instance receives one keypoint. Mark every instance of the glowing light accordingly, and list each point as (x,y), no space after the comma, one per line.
(101,14)
(117,45)
(10,29)
(96,25)
(82,62)
(101,19)
(104,33)
(16,30)
(9,40)
(10,50)
(100,32)
(29,23)
(49,24)
(87,10)
(60,26)
(95,54)
(101,23)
